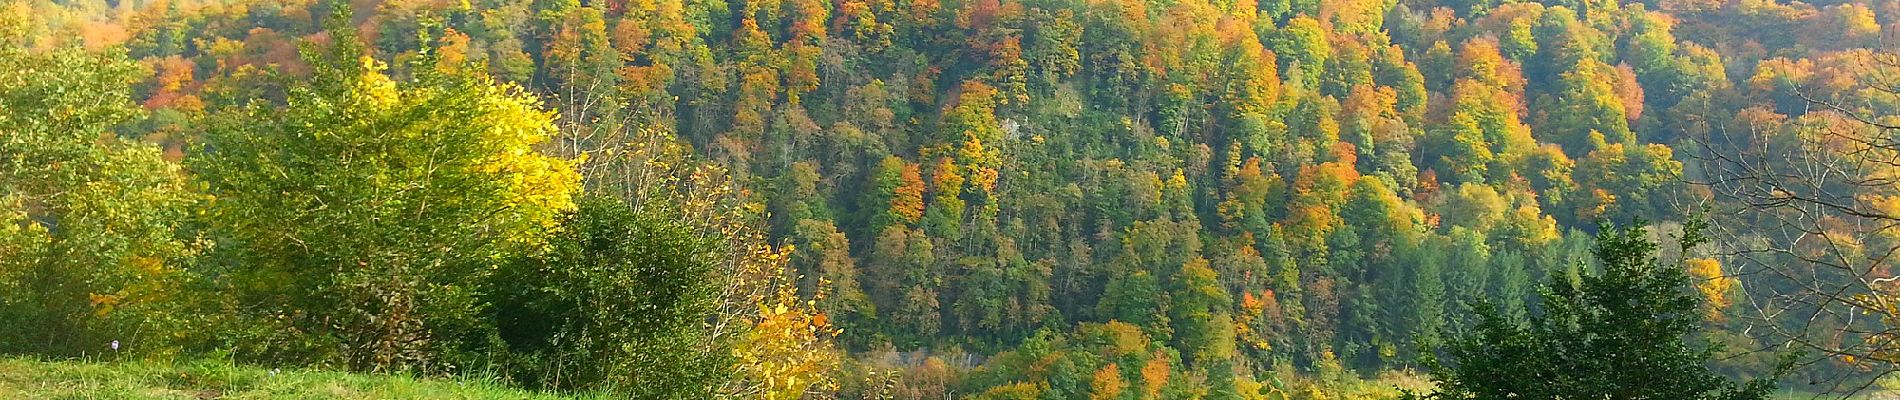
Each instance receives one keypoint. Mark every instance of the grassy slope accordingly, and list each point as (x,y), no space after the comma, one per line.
(27,379)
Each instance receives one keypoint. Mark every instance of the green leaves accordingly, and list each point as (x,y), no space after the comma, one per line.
(1617,334)
(617,302)
(88,252)
(365,208)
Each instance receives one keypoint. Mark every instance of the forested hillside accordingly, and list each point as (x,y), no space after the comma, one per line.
(933,198)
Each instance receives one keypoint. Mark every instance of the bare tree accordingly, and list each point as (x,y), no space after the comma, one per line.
(1810,208)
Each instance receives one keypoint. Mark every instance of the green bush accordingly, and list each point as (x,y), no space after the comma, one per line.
(620,301)
(88,251)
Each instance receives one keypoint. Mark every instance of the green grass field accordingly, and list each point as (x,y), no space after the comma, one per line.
(28,379)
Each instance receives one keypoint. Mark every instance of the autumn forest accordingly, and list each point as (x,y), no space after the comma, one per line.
(989,199)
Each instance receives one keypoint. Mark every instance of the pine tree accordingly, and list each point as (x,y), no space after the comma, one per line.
(1618,334)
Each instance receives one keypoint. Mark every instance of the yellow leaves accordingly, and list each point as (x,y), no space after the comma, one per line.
(538,186)
(1252,308)
(374,90)
(368,63)
(453,51)
(103,304)
(945,179)
(1596,205)
(787,350)
(173,76)
(1256,67)
(907,201)
(148,265)
(784,349)
(1856,20)
(1536,229)
(984,179)
(1125,339)
(1107,383)
(13,21)
(1154,375)
(1712,284)
(1780,73)
(1484,74)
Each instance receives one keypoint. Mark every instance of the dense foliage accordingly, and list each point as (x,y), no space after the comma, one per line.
(1618,334)
(361,209)
(995,198)
(615,288)
(378,222)
(87,245)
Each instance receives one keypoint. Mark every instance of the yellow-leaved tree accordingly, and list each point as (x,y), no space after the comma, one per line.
(1714,286)
(356,218)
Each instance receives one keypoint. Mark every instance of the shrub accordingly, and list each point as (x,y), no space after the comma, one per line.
(620,301)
